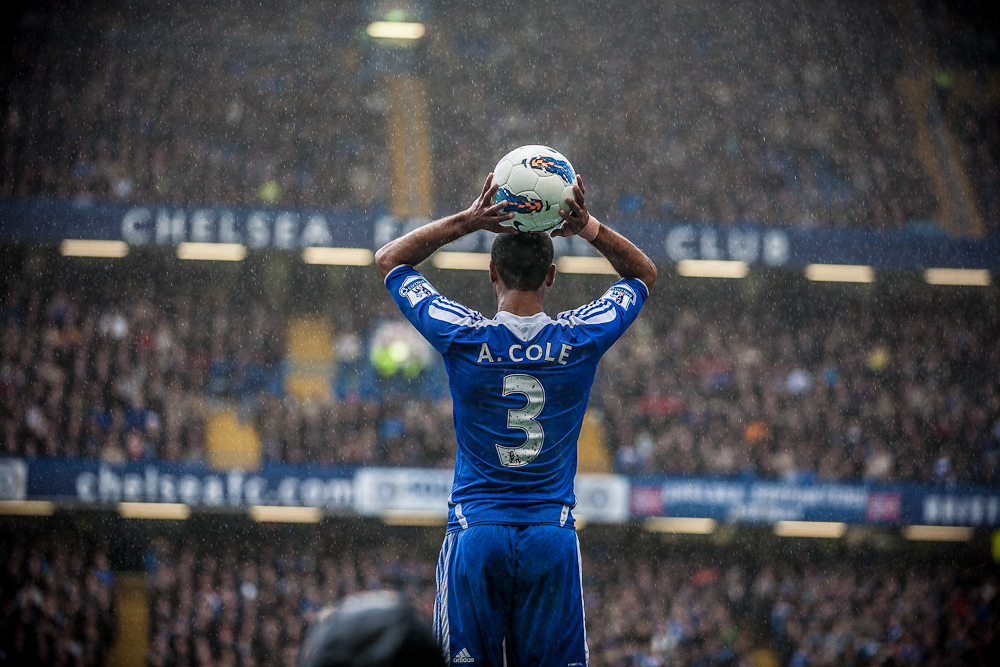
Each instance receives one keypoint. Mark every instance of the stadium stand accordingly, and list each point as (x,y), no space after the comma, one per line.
(56,597)
(883,390)
(213,602)
(198,106)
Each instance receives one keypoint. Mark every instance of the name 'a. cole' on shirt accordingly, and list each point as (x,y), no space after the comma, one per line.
(520,388)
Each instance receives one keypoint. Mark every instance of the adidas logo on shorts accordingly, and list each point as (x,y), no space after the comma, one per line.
(463,656)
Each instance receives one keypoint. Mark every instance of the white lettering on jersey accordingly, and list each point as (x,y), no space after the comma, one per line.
(415,289)
(621,294)
(564,353)
(484,353)
(534,352)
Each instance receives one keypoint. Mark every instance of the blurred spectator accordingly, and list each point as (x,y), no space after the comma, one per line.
(55,602)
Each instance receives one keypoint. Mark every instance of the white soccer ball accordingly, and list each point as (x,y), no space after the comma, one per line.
(535,181)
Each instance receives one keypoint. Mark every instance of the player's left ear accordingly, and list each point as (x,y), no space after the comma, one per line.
(494,276)
(550,276)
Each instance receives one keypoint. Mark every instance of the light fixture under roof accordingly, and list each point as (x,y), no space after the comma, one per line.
(711,268)
(338,256)
(584,264)
(964,277)
(473,261)
(938,533)
(395,30)
(840,273)
(284,514)
(830,529)
(176,511)
(686,525)
(92,248)
(219,252)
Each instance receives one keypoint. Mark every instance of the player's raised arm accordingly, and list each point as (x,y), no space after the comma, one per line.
(423,242)
(625,257)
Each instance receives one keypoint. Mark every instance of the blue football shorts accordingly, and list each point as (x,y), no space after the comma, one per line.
(511,595)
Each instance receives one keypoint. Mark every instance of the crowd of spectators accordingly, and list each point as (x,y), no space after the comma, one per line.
(91,373)
(227,606)
(56,601)
(884,390)
(877,391)
(236,103)
(773,112)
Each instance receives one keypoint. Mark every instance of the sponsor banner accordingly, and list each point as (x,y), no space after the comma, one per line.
(93,482)
(958,507)
(759,501)
(749,501)
(602,498)
(13,479)
(278,228)
(380,490)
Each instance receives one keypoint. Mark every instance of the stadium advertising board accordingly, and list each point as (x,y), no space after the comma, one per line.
(93,482)
(760,501)
(289,229)
(600,498)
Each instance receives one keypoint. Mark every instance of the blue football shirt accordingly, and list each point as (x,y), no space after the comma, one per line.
(520,387)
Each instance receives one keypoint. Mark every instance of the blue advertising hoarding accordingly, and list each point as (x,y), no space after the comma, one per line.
(289,229)
(602,498)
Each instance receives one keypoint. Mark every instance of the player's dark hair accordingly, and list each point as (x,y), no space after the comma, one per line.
(522,260)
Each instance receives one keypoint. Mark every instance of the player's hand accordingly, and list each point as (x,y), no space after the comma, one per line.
(574,214)
(484,214)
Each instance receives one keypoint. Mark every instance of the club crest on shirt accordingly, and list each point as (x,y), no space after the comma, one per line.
(415,289)
(621,294)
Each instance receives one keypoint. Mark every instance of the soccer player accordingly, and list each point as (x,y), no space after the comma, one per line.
(509,577)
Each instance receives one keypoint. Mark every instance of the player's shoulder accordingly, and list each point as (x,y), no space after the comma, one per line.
(620,297)
(445,310)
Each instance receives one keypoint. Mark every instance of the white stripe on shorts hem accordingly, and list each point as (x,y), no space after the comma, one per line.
(583,608)
(442,626)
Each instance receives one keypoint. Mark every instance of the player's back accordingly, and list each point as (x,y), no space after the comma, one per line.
(520,387)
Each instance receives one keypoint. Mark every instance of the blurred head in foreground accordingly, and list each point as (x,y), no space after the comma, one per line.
(370,630)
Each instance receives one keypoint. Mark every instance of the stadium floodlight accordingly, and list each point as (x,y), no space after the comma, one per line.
(220,252)
(414,518)
(175,511)
(840,273)
(338,256)
(92,248)
(711,268)
(810,529)
(283,514)
(964,277)
(473,261)
(687,525)
(27,508)
(395,30)
(584,264)
(938,533)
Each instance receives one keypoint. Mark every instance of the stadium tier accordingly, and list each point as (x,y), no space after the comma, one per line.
(134,364)
(775,113)
(207,600)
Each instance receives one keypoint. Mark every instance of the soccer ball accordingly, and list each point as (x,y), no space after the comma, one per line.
(535,181)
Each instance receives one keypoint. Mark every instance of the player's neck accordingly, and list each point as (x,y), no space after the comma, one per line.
(522,304)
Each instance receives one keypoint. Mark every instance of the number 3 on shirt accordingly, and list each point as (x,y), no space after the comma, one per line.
(524,419)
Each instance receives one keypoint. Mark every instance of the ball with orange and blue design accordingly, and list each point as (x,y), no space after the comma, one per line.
(535,182)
